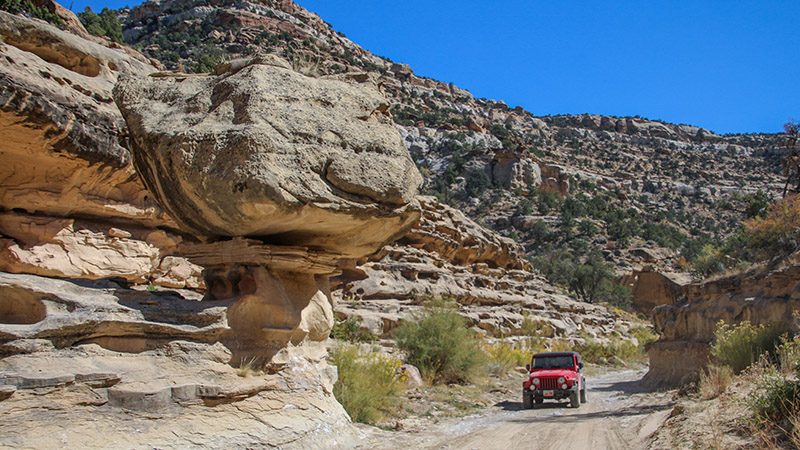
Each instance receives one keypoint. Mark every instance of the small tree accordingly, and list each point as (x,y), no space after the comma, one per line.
(106,24)
(589,279)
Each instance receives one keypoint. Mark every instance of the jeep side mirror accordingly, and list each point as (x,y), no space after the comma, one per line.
(528,367)
(580,365)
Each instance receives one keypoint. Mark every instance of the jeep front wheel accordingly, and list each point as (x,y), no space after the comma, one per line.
(527,399)
(583,395)
(574,401)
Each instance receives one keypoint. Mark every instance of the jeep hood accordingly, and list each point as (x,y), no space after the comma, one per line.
(542,373)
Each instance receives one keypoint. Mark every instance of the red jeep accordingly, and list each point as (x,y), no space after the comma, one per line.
(554,375)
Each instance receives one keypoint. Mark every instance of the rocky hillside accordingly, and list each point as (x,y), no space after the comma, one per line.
(580,183)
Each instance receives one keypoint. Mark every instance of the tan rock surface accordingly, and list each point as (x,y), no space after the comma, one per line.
(64,161)
(183,395)
(651,288)
(63,247)
(265,151)
(62,153)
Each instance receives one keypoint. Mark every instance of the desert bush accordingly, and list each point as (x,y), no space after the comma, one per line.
(350,330)
(614,351)
(368,387)
(778,232)
(503,357)
(775,400)
(441,345)
(536,327)
(708,261)
(590,278)
(644,335)
(714,381)
(739,346)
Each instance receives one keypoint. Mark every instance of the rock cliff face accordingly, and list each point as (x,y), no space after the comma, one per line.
(72,203)
(73,207)
(762,295)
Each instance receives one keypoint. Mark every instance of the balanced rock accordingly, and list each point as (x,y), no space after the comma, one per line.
(263,151)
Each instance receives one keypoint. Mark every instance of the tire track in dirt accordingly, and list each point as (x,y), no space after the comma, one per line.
(617,411)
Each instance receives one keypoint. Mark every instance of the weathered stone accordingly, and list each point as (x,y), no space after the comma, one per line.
(6,391)
(98,379)
(61,131)
(145,399)
(411,376)
(651,288)
(306,161)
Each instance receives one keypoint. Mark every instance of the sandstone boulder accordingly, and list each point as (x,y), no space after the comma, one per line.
(263,151)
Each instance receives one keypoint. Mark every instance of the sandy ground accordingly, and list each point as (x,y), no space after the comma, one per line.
(619,414)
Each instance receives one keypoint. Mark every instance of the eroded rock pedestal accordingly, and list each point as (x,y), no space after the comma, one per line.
(278,296)
(310,170)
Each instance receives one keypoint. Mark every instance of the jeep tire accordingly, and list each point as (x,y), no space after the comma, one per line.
(574,401)
(527,399)
(583,395)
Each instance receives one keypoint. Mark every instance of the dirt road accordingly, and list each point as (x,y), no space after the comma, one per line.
(618,415)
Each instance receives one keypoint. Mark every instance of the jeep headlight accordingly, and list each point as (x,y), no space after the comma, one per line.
(535,381)
(562,380)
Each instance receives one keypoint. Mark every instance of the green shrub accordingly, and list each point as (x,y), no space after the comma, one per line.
(710,260)
(441,345)
(368,387)
(28,8)
(591,280)
(504,357)
(775,400)
(644,335)
(105,24)
(350,330)
(741,345)
(208,60)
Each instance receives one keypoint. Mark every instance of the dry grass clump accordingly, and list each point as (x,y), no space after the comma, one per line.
(504,357)
(714,381)
(250,367)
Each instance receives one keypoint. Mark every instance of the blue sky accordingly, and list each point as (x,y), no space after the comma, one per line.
(730,66)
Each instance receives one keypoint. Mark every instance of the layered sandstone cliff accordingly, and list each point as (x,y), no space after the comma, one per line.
(763,295)
(82,338)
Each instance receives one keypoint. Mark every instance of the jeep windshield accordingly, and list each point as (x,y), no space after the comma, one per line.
(552,362)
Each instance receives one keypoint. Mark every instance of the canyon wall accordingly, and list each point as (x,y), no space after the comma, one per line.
(763,295)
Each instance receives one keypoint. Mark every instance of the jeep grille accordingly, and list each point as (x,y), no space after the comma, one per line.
(549,383)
